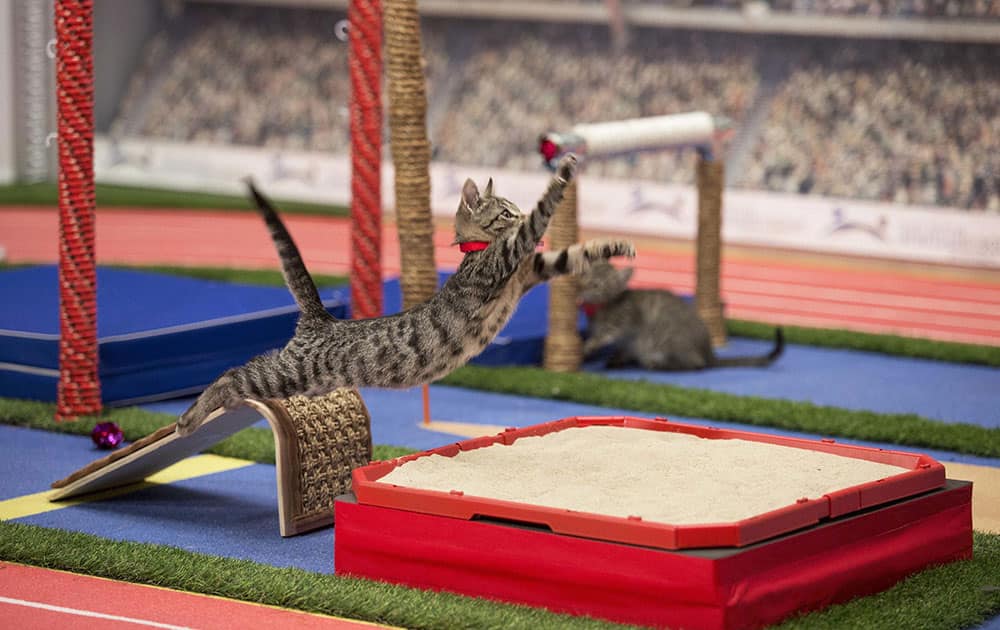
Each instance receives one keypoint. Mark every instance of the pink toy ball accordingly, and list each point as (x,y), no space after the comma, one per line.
(107,435)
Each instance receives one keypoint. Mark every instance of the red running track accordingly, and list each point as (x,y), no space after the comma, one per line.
(31,597)
(777,289)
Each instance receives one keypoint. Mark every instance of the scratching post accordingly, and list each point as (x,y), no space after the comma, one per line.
(411,156)
(79,391)
(410,151)
(318,441)
(710,175)
(365,65)
(563,347)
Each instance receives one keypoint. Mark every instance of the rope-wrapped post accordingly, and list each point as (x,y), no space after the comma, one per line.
(563,346)
(710,176)
(365,66)
(79,390)
(411,152)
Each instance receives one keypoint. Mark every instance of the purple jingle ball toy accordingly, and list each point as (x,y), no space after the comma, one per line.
(107,435)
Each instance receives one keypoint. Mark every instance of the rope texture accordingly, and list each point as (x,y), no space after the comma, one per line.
(563,347)
(333,437)
(711,175)
(365,65)
(410,151)
(79,390)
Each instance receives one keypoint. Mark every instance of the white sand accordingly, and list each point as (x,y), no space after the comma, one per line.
(662,477)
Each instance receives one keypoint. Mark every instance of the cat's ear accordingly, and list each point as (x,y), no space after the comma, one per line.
(489,188)
(626,274)
(470,195)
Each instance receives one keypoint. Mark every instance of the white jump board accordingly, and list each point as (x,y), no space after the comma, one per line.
(169,450)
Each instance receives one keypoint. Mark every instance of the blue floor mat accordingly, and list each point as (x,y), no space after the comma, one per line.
(232,513)
(158,335)
(950,392)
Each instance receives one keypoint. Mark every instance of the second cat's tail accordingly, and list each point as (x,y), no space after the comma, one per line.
(297,277)
(767,359)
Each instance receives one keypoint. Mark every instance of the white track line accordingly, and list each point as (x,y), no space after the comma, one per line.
(88,613)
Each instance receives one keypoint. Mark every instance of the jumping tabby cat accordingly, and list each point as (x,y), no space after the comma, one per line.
(652,328)
(427,341)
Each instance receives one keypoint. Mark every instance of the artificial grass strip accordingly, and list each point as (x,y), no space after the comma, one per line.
(254,444)
(261,277)
(46,194)
(947,597)
(658,398)
(175,568)
(869,342)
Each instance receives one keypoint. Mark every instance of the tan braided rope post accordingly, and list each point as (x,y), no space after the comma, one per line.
(411,157)
(710,181)
(563,346)
(79,389)
(318,442)
(411,152)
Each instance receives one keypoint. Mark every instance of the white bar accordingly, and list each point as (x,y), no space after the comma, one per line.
(635,134)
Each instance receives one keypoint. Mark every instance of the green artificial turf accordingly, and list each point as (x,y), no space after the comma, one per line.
(262,277)
(250,581)
(869,342)
(255,444)
(46,194)
(667,400)
(947,597)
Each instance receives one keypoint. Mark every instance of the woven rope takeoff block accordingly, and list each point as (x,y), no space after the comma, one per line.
(318,442)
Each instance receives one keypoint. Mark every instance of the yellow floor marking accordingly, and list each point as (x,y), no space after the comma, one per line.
(462,429)
(985,493)
(197,466)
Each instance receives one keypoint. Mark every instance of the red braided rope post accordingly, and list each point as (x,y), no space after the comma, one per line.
(79,390)
(365,63)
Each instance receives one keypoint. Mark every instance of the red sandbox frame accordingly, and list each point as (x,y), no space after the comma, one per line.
(922,474)
(847,553)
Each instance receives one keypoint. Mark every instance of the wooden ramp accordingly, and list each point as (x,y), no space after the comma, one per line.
(318,442)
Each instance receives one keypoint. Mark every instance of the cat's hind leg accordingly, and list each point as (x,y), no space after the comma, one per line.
(224,392)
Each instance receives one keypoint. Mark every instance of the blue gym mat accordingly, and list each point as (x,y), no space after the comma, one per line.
(162,336)
(158,335)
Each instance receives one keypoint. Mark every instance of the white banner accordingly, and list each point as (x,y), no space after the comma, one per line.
(812,223)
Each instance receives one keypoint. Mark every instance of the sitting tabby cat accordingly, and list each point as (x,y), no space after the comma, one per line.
(427,341)
(652,328)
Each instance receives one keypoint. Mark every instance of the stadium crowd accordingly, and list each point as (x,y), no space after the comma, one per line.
(916,124)
(912,123)
(905,9)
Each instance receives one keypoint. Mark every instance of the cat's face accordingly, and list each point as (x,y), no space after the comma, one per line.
(602,282)
(484,217)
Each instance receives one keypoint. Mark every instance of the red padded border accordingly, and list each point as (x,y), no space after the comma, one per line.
(924,474)
(714,589)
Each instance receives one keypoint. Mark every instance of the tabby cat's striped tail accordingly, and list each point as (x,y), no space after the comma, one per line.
(297,277)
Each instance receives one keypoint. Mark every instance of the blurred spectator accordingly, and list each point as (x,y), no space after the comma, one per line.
(911,123)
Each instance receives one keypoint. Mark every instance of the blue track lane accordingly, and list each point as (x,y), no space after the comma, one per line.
(950,392)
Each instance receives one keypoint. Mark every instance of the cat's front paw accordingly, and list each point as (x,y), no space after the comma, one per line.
(567,167)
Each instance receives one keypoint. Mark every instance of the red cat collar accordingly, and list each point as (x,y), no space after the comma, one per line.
(478,246)
(473,246)
(590,309)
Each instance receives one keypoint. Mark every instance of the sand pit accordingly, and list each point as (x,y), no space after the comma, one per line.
(663,477)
